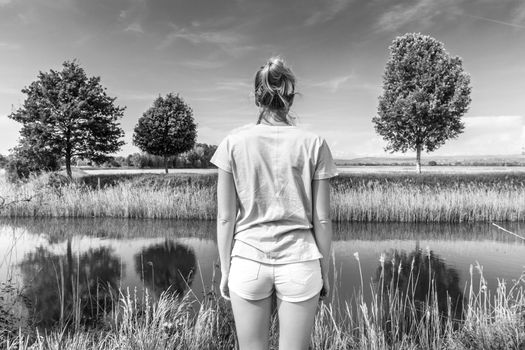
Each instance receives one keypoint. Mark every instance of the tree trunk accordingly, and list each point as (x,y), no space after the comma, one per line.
(166,164)
(68,165)
(418,159)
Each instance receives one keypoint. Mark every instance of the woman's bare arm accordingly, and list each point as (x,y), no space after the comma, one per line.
(226,215)
(322,221)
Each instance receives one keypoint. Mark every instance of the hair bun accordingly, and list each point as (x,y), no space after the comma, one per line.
(274,85)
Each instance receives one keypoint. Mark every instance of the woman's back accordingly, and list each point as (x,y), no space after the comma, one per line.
(273,167)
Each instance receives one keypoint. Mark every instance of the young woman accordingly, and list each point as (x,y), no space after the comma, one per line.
(273,222)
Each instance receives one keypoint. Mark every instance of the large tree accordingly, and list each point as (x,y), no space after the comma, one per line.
(166,129)
(69,114)
(425,93)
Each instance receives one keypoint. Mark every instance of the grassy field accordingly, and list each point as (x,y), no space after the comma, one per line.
(367,197)
(398,317)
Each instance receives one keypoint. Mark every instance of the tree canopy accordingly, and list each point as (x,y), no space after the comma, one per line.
(425,93)
(69,114)
(167,128)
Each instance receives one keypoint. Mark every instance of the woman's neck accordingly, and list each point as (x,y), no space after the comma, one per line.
(273,118)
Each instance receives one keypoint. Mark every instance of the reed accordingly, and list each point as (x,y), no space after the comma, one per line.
(395,318)
(392,197)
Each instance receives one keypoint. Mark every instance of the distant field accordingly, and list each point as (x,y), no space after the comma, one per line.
(146,171)
(459,169)
(342,169)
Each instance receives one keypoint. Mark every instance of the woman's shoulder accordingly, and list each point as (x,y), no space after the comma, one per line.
(252,130)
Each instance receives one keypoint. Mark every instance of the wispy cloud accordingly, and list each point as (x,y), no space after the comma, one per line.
(230,85)
(330,9)
(135,27)
(509,24)
(229,41)
(500,135)
(422,12)
(335,83)
(519,14)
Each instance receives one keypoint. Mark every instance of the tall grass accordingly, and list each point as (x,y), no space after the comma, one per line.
(393,319)
(355,197)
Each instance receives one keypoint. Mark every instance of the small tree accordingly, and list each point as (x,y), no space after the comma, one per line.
(166,129)
(425,93)
(70,115)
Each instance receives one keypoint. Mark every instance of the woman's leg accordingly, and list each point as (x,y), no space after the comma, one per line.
(252,321)
(295,323)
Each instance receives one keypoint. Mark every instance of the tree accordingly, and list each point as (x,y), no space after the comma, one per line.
(69,114)
(166,129)
(425,93)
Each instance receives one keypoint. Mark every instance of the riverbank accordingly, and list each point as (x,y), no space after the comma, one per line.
(365,197)
(408,311)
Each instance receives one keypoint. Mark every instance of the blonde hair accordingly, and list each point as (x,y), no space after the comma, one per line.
(274,88)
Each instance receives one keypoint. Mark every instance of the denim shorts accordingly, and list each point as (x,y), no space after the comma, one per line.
(292,282)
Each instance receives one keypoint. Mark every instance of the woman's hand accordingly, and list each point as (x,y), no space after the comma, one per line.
(225,292)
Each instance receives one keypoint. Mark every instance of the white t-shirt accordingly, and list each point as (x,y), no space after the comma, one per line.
(273,168)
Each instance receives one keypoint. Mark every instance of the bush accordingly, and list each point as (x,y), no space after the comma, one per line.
(432,163)
(17,169)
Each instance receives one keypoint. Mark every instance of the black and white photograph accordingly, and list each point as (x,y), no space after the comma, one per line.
(262,174)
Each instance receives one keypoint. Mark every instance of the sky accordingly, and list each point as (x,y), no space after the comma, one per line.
(209,51)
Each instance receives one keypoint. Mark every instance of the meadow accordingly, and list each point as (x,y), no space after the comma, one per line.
(366,197)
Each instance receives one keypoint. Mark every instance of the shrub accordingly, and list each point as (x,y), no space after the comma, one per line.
(17,169)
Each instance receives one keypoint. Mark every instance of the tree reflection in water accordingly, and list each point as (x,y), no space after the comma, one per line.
(167,266)
(419,278)
(65,289)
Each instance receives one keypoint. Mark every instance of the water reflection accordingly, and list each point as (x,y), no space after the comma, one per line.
(70,287)
(47,258)
(167,266)
(422,276)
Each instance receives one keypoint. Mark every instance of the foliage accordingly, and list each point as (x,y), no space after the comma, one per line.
(167,128)
(197,157)
(69,114)
(3,161)
(25,160)
(425,93)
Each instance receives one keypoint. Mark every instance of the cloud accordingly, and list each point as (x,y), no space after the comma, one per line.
(487,135)
(134,27)
(335,83)
(330,9)
(519,14)
(229,41)
(231,85)
(422,12)
(509,24)
(5,2)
